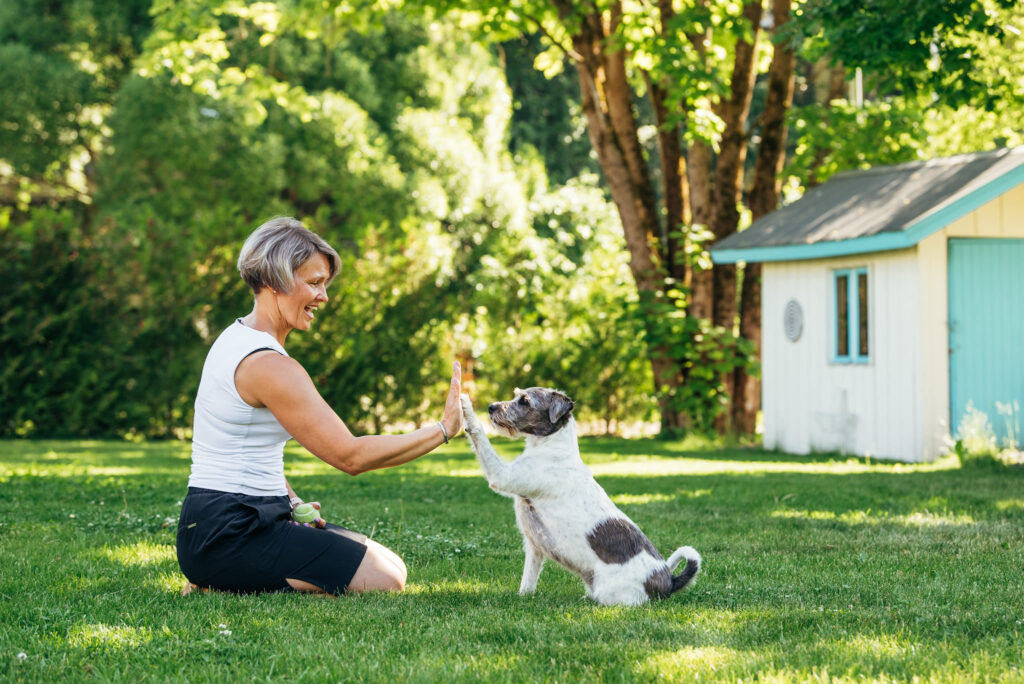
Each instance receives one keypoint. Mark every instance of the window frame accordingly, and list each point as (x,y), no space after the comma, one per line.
(853,315)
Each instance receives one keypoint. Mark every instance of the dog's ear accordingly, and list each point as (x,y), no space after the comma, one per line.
(561,406)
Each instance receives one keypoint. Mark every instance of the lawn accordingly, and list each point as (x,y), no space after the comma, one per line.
(815,568)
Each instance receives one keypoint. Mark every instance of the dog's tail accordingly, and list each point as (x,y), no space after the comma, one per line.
(689,573)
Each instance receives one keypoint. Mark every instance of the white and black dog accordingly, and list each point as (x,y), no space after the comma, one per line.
(563,513)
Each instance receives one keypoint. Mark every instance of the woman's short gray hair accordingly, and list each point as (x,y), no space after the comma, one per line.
(276,249)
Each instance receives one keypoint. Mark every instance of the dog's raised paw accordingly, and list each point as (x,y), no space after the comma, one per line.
(467,405)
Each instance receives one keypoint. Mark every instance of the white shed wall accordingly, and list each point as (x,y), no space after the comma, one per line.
(897,406)
(813,404)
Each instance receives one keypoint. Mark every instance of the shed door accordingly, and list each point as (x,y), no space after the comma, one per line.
(986,331)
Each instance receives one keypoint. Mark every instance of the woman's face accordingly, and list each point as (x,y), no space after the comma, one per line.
(309,291)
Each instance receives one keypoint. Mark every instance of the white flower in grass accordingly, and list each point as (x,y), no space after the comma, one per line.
(22,656)
(224,631)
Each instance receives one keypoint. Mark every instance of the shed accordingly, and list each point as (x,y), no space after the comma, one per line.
(892,301)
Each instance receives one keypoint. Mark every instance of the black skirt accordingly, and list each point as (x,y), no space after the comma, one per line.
(248,544)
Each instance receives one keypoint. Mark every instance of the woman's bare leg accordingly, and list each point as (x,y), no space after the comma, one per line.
(380,570)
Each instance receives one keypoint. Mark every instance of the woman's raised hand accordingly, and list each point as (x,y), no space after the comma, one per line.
(452,418)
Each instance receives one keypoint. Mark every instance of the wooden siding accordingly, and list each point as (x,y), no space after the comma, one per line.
(897,406)
(814,404)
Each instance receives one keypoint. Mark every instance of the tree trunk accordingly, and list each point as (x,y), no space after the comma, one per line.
(725,216)
(607,103)
(607,106)
(700,281)
(699,159)
(732,153)
(673,168)
(763,199)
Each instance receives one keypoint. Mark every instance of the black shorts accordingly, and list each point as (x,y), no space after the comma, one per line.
(247,544)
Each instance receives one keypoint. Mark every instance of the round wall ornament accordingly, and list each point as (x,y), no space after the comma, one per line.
(793,320)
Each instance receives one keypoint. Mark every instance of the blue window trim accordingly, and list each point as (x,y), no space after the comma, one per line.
(853,355)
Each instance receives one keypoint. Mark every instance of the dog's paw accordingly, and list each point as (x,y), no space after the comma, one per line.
(467,407)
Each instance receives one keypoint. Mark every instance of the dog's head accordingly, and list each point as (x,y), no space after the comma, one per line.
(537,411)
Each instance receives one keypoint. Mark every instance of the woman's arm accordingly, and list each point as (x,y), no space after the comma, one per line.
(279,383)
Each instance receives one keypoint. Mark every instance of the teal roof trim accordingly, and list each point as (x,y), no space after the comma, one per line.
(880,242)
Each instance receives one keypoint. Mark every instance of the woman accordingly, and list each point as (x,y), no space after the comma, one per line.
(235,532)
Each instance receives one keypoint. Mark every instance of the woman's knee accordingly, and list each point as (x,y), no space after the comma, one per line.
(380,570)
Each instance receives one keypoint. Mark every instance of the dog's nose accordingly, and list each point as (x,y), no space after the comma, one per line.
(492,408)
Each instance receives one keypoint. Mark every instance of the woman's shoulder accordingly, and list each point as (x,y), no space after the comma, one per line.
(238,341)
(242,336)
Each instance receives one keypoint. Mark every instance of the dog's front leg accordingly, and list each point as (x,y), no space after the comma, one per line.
(495,469)
(531,569)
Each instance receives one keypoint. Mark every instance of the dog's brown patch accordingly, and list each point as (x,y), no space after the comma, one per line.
(540,536)
(658,584)
(617,541)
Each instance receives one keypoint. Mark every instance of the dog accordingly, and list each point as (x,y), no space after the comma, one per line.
(562,512)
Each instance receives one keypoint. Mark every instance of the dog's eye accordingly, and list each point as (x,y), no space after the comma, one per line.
(523,400)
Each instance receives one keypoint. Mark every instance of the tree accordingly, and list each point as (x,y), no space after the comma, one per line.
(695,67)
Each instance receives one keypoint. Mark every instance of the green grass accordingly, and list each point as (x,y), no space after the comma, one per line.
(815,568)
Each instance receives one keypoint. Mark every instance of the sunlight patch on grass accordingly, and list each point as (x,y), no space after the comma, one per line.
(873,645)
(171,582)
(1006,505)
(82,469)
(448,586)
(141,553)
(696,466)
(788,513)
(117,637)
(685,663)
(931,519)
(861,517)
(626,499)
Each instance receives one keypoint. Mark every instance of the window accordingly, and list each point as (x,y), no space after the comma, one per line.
(851,321)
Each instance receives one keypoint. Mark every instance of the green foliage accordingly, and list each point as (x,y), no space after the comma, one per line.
(705,353)
(386,132)
(915,47)
(561,312)
(84,348)
(939,80)
(546,116)
(832,138)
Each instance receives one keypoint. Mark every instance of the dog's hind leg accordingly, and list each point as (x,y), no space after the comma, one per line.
(531,569)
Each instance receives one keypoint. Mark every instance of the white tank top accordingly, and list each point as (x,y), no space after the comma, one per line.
(235,447)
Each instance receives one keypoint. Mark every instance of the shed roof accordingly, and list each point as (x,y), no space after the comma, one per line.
(878,209)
